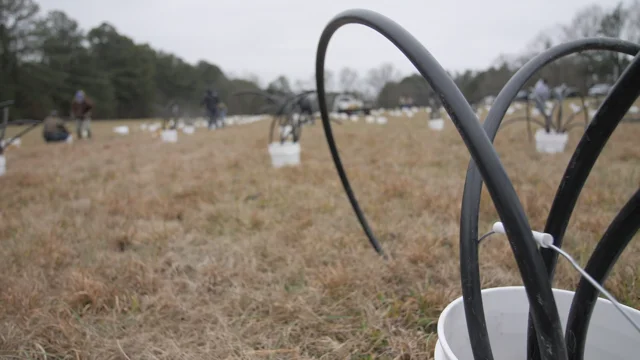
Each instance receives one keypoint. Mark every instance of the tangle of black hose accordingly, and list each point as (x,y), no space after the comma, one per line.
(564,202)
(507,203)
(282,105)
(560,127)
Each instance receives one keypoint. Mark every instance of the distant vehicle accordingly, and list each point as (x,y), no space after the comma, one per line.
(566,91)
(488,100)
(349,104)
(522,95)
(599,90)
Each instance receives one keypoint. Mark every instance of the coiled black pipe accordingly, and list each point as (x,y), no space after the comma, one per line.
(282,107)
(565,199)
(559,126)
(507,203)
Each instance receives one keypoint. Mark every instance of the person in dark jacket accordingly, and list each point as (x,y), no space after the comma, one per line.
(54,129)
(210,102)
(306,108)
(81,107)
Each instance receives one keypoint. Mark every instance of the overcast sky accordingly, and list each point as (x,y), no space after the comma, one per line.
(272,37)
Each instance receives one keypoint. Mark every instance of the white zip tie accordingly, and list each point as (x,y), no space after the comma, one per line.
(545,240)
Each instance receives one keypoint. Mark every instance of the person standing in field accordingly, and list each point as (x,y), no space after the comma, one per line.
(54,129)
(542,94)
(211,102)
(81,107)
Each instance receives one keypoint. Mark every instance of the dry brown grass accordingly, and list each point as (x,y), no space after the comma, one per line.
(127,248)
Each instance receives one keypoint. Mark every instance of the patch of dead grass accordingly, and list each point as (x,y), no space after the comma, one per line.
(129,248)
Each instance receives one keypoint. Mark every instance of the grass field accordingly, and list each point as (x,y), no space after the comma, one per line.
(128,248)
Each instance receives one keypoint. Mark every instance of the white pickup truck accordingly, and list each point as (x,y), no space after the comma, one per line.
(347,103)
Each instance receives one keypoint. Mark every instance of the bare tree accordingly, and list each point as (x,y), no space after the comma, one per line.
(631,28)
(377,78)
(329,80)
(585,23)
(280,85)
(612,25)
(254,78)
(300,85)
(348,79)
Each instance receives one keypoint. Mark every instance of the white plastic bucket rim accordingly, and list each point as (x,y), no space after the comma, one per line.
(550,142)
(282,154)
(188,129)
(169,136)
(610,336)
(436,124)
(122,130)
(3,165)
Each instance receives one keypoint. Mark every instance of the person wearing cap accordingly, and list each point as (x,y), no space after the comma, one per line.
(81,107)
(54,129)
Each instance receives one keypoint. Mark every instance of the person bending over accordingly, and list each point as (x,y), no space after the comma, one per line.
(54,129)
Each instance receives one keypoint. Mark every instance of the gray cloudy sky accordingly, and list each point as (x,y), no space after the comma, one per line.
(272,37)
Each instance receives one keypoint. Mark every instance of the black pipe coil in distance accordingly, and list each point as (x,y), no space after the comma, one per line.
(282,111)
(537,286)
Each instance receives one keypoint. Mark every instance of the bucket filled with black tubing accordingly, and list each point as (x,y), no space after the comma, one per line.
(533,321)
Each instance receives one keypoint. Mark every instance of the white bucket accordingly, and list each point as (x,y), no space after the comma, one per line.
(188,129)
(551,142)
(287,153)
(16,143)
(436,124)
(169,136)
(575,108)
(3,165)
(506,309)
(122,130)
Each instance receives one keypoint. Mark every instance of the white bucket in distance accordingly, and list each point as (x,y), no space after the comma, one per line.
(122,130)
(550,142)
(283,154)
(3,165)
(506,310)
(170,136)
(436,124)
(15,143)
(188,129)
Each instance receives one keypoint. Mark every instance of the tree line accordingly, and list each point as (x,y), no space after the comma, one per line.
(45,58)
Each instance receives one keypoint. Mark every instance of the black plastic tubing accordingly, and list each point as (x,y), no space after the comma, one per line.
(506,201)
(565,200)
